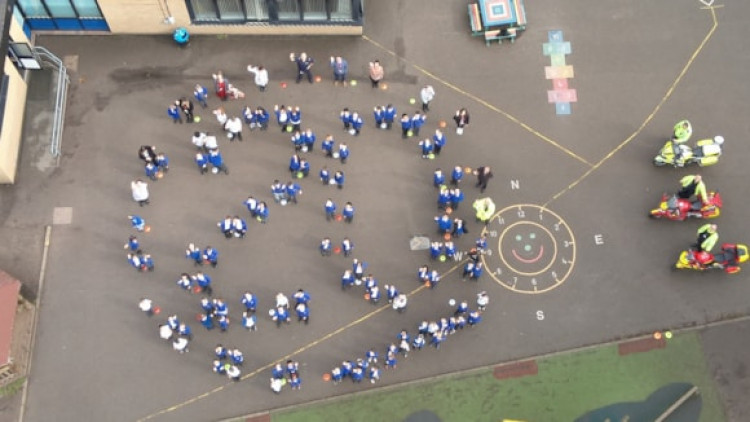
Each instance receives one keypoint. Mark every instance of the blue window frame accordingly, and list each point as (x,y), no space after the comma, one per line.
(61,15)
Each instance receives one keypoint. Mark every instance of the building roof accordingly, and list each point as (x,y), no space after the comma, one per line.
(9,288)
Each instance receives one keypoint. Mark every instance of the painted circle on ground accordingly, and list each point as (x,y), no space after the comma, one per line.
(531,250)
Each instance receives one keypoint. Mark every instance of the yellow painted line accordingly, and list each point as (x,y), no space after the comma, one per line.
(650,117)
(289,356)
(480,101)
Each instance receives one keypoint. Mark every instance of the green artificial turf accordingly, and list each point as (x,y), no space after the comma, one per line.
(566,387)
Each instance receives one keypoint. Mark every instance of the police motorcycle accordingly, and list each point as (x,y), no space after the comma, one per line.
(728,259)
(706,152)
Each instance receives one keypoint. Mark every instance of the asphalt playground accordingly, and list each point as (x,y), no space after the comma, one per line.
(575,261)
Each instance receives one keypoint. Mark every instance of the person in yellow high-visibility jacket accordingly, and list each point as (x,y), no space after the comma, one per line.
(693,185)
(708,236)
(484,208)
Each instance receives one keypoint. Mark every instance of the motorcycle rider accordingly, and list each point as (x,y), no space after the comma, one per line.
(693,185)
(708,236)
(682,132)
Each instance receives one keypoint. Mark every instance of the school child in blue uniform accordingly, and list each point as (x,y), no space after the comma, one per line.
(211,255)
(303,313)
(436,249)
(444,223)
(444,198)
(418,342)
(347,280)
(193,252)
(292,190)
(304,167)
(249,321)
(343,152)
(225,226)
(347,246)
(262,117)
(294,164)
(217,161)
(295,118)
(406,129)
(417,121)
(481,243)
(438,139)
(252,205)
(330,209)
(450,250)
(262,213)
(201,160)
(457,196)
(301,296)
(174,113)
(133,244)
(250,301)
(310,139)
(427,147)
(282,116)
(326,246)
(379,115)
(348,212)
(204,282)
(338,177)
(457,175)
(346,118)
(151,170)
(459,227)
(325,175)
(239,226)
(201,95)
(357,123)
(327,145)
(468,269)
(438,178)
(278,191)
(391,292)
(207,321)
(389,115)
(477,271)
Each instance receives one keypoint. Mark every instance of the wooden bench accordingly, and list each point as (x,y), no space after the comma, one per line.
(500,35)
(475,20)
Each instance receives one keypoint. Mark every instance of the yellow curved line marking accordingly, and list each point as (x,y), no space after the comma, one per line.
(289,356)
(504,113)
(650,116)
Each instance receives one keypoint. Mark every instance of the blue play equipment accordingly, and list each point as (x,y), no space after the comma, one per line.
(181,36)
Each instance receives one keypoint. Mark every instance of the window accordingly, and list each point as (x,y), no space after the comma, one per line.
(289,10)
(87,8)
(341,10)
(60,8)
(53,15)
(256,9)
(314,10)
(237,11)
(203,10)
(230,10)
(33,9)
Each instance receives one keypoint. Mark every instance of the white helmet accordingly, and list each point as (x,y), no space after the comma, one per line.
(719,140)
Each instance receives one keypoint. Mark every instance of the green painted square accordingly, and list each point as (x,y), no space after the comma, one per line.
(557,59)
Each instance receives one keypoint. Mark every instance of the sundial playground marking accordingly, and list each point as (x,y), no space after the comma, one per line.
(557,48)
